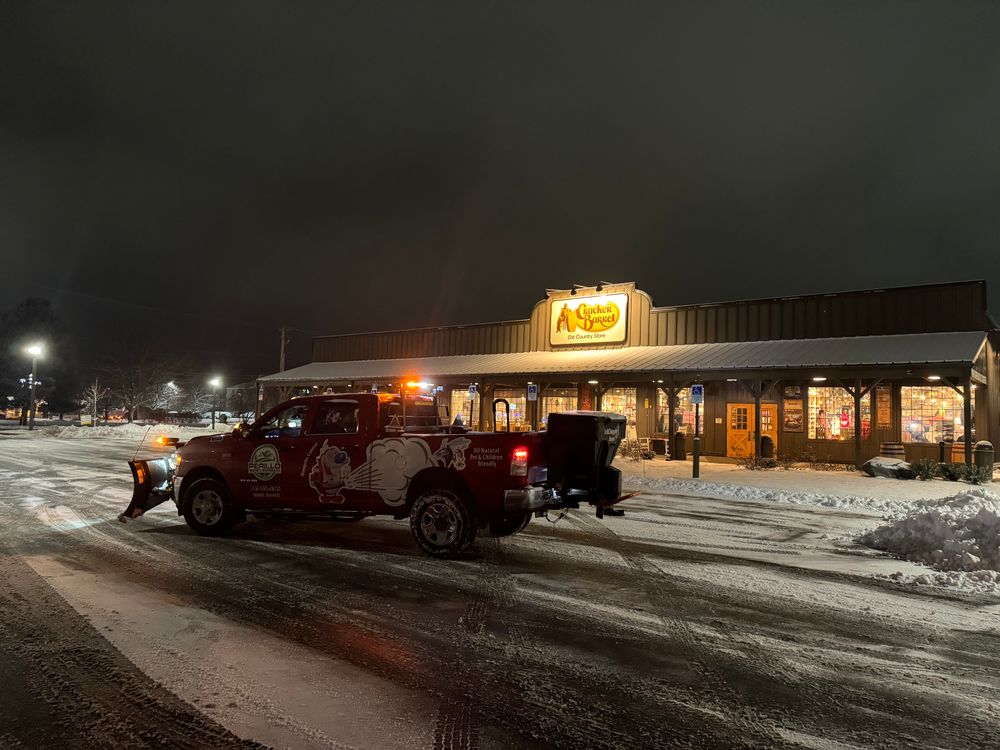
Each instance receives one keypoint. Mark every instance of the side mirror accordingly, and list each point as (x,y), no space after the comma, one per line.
(241,430)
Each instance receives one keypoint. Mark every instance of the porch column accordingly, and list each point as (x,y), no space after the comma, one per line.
(857,423)
(485,406)
(967,417)
(757,391)
(671,416)
(536,407)
(599,391)
(671,392)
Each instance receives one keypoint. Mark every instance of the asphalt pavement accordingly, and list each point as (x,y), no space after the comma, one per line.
(687,623)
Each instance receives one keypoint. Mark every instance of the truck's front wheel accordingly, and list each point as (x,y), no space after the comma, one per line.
(208,507)
(441,522)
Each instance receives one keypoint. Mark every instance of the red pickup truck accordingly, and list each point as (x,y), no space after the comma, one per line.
(348,456)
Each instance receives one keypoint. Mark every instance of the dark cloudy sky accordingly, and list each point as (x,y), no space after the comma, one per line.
(207,171)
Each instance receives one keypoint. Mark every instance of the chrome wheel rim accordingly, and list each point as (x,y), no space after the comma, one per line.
(440,523)
(207,507)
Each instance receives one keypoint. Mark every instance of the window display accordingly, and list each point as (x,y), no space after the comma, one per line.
(468,408)
(683,413)
(518,398)
(831,414)
(621,401)
(932,414)
(556,399)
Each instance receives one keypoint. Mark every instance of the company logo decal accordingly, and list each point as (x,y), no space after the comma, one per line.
(265,463)
(391,464)
(589,320)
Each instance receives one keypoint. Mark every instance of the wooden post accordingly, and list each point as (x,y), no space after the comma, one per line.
(485,406)
(536,412)
(857,423)
(967,417)
(671,390)
(599,391)
(757,390)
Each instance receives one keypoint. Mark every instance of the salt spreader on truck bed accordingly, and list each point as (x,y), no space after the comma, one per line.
(344,457)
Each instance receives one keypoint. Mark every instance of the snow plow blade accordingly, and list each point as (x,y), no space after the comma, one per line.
(153,481)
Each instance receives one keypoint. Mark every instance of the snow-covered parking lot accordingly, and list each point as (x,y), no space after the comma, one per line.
(733,611)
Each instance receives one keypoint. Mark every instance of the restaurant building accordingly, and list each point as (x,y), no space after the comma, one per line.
(831,375)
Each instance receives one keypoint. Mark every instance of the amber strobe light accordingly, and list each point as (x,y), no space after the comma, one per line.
(519,462)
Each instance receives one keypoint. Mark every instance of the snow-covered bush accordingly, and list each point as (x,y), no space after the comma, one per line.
(978,474)
(952,472)
(925,468)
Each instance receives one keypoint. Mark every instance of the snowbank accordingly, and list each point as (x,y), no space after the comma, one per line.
(103,430)
(805,483)
(127,430)
(786,496)
(958,533)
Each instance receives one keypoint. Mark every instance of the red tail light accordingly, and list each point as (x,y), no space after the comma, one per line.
(519,462)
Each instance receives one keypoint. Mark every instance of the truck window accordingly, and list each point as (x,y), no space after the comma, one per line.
(286,423)
(336,418)
(421,414)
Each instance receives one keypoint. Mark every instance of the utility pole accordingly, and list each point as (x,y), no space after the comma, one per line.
(284,340)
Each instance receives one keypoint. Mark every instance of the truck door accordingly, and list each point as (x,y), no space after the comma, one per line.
(269,461)
(335,466)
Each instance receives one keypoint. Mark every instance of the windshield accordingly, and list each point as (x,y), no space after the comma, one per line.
(285,423)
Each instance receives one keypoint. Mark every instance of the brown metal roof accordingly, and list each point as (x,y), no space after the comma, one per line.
(859,351)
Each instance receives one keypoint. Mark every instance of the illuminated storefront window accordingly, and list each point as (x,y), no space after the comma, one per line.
(518,398)
(556,399)
(831,414)
(931,414)
(621,401)
(468,408)
(683,413)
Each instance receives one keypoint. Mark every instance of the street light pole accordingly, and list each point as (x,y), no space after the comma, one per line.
(31,405)
(215,383)
(35,350)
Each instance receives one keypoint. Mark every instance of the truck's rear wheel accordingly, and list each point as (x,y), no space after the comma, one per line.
(441,522)
(208,507)
(508,525)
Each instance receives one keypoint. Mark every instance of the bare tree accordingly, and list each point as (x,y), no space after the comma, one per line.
(195,398)
(187,393)
(163,396)
(139,379)
(91,395)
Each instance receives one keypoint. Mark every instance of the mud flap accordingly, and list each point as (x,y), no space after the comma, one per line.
(152,481)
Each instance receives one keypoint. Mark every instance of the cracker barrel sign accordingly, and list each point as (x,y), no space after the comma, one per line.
(597,319)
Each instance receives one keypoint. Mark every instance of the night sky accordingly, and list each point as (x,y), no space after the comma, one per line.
(205,172)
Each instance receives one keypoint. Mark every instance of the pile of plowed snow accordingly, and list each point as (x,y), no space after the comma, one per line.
(126,430)
(958,533)
(102,430)
(790,496)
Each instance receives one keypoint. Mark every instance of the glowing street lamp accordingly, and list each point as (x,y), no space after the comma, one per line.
(34,351)
(215,383)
